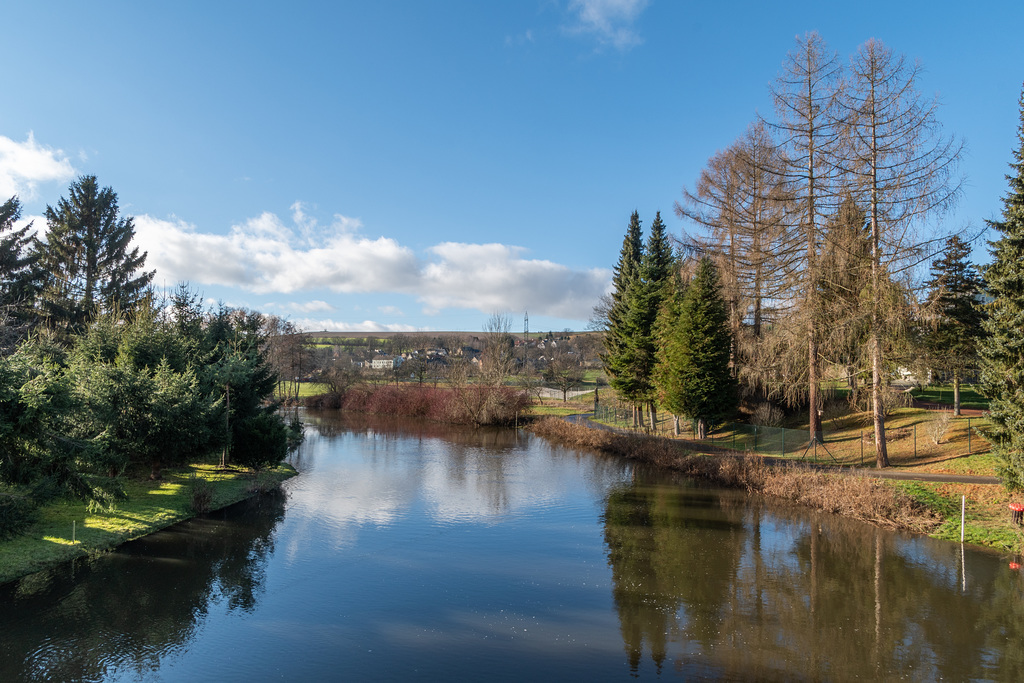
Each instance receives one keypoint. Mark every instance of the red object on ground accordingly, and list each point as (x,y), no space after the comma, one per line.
(1015,566)
(1018,512)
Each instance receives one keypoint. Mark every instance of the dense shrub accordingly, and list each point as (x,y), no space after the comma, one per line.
(16,513)
(200,494)
(260,441)
(476,405)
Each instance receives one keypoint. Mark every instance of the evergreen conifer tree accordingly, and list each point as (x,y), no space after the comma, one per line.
(655,279)
(18,275)
(706,387)
(955,288)
(90,265)
(1002,351)
(619,357)
(668,352)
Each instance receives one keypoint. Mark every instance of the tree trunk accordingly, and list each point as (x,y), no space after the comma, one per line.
(675,425)
(956,392)
(654,416)
(814,416)
(877,413)
(702,428)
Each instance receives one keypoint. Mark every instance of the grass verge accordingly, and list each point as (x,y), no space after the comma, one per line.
(986,514)
(943,394)
(68,529)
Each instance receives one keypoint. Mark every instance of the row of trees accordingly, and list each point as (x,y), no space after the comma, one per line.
(814,220)
(99,378)
(667,340)
(806,261)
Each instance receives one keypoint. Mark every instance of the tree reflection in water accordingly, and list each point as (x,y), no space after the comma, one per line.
(147,599)
(712,582)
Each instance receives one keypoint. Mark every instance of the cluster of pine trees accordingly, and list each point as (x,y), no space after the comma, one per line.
(666,340)
(806,265)
(99,379)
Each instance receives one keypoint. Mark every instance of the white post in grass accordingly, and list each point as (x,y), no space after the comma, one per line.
(963,506)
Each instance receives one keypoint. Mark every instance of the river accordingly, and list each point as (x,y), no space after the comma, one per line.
(415,551)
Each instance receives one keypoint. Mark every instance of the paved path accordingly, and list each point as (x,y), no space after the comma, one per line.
(584,419)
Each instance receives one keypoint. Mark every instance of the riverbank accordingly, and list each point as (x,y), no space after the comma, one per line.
(69,529)
(912,506)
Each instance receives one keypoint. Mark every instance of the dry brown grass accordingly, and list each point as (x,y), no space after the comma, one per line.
(863,498)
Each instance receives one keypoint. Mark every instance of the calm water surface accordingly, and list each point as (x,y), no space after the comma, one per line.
(411,551)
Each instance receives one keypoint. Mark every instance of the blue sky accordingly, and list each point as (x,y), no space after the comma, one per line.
(420,165)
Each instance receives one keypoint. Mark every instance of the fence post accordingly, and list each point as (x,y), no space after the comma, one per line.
(783,442)
(755,438)
(968,436)
(915,440)
(862,448)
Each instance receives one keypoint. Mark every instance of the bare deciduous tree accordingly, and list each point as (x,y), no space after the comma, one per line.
(809,123)
(903,170)
(498,358)
(741,202)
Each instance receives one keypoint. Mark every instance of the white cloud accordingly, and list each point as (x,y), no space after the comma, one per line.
(609,21)
(264,255)
(520,39)
(310,306)
(23,165)
(390,310)
(330,325)
(495,277)
(38,223)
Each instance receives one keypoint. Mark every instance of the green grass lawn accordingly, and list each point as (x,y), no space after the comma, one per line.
(987,519)
(943,393)
(311,389)
(68,529)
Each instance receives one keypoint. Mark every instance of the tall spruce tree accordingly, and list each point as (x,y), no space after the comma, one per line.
(90,265)
(955,316)
(1002,351)
(706,386)
(618,356)
(655,279)
(18,274)
(668,352)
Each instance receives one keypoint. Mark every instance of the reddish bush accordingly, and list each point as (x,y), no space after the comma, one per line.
(464,405)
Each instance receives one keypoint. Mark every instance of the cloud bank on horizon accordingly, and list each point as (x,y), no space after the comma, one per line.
(266,256)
